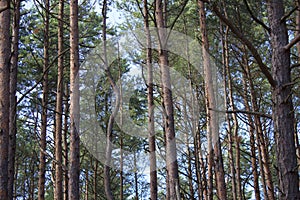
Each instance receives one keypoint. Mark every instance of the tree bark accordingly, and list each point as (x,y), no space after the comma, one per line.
(4,96)
(212,125)
(171,154)
(65,145)
(283,114)
(74,167)
(42,164)
(58,195)
(151,128)
(13,98)
(229,103)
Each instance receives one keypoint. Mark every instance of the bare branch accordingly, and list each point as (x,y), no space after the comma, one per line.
(255,18)
(293,42)
(249,45)
(42,77)
(244,112)
(4,9)
(288,14)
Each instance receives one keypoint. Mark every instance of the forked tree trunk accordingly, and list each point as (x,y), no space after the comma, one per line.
(283,114)
(214,146)
(58,195)
(4,96)
(74,165)
(42,164)
(13,98)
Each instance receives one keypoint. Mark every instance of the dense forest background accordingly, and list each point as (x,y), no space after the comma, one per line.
(230,131)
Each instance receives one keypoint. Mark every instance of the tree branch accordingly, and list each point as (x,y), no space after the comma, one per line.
(42,77)
(4,9)
(255,18)
(292,43)
(288,14)
(249,45)
(243,112)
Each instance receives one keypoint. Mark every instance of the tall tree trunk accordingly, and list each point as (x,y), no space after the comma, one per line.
(229,104)
(283,114)
(108,148)
(13,98)
(65,144)
(298,30)
(212,125)
(151,128)
(95,180)
(58,195)
(252,130)
(42,164)
(74,167)
(171,154)
(4,96)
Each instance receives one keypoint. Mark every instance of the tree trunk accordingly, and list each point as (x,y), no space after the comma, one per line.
(58,195)
(151,128)
(252,130)
(171,154)
(229,103)
(298,32)
(13,98)
(95,180)
(212,125)
(65,145)
(4,96)
(42,164)
(283,114)
(74,168)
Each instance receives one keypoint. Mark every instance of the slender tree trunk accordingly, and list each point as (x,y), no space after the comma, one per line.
(42,164)
(212,126)
(136,181)
(74,167)
(283,114)
(252,130)
(229,103)
(4,96)
(95,180)
(298,28)
(58,195)
(65,145)
(86,184)
(108,150)
(171,154)
(151,128)
(13,98)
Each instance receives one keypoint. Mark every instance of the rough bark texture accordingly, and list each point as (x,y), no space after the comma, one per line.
(13,98)
(58,195)
(171,155)
(151,128)
(283,114)
(42,164)
(4,97)
(74,167)
(212,123)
